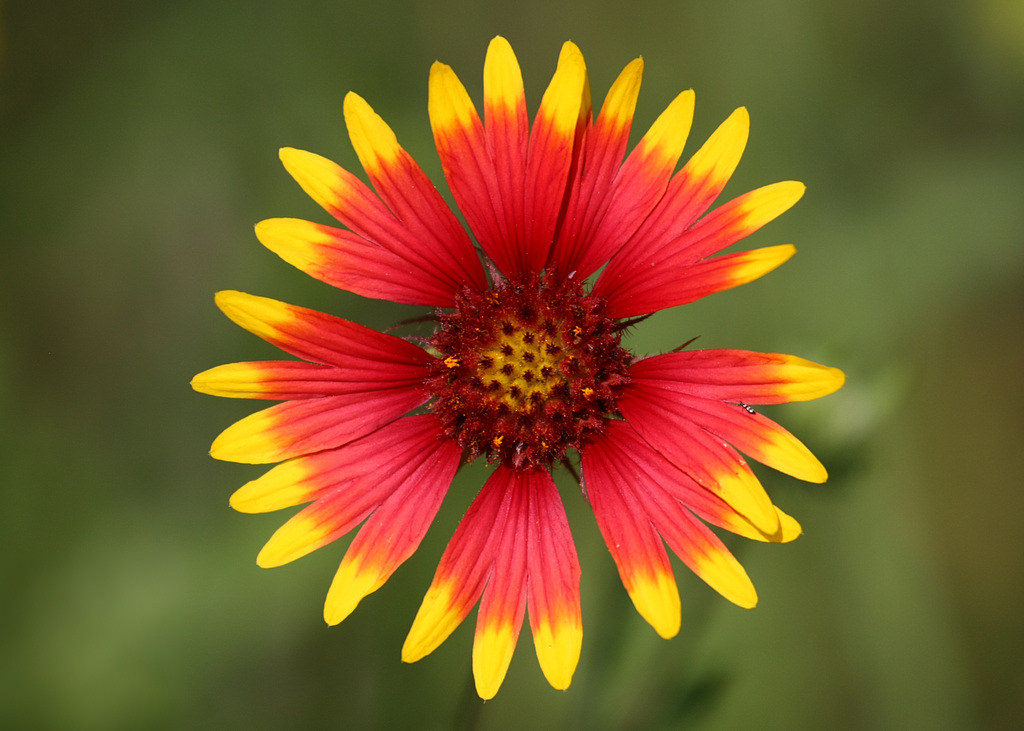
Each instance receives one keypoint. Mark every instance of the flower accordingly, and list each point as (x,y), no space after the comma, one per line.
(524,368)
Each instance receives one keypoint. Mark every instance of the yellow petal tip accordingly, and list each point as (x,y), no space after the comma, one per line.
(296,538)
(353,582)
(656,598)
(558,651)
(435,620)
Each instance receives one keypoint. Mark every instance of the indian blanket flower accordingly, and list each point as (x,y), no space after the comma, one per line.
(570,242)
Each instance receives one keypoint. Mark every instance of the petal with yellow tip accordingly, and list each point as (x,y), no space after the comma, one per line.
(355,205)
(632,540)
(506,134)
(641,182)
(670,284)
(705,174)
(503,602)
(739,375)
(410,195)
(554,148)
(294,428)
(690,193)
(322,338)
(756,436)
(553,596)
(465,158)
(377,459)
(711,463)
(394,530)
(603,149)
(346,260)
(700,549)
(464,568)
(285,379)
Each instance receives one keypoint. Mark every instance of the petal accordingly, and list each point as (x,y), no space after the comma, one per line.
(738,218)
(647,465)
(285,379)
(688,538)
(640,183)
(409,193)
(672,283)
(730,520)
(714,163)
(756,436)
(709,461)
(739,375)
(604,147)
(353,203)
(633,542)
(700,549)
(294,428)
(322,338)
(371,459)
(718,230)
(348,484)
(554,583)
(503,603)
(701,180)
(563,111)
(290,483)
(348,261)
(320,523)
(394,530)
(463,569)
(468,169)
(690,193)
(506,133)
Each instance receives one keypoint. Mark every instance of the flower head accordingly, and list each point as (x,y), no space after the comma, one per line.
(524,367)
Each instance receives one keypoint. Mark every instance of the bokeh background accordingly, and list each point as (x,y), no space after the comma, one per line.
(138,147)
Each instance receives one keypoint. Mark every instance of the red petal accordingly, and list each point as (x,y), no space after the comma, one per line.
(645,255)
(691,191)
(555,145)
(410,195)
(291,379)
(554,586)
(394,530)
(506,135)
(644,463)
(640,183)
(503,603)
(355,205)
(709,461)
(755,435)
(295,428)
(463,569)
(346,483)
(322,338)
(739,375)
(633,542)
(604,146)
(688,538)
(679,282)
(467,164)
(345,260)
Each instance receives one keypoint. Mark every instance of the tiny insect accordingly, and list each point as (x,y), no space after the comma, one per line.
(748,407)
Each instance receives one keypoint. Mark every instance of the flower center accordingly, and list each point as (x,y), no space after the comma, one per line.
(526,371)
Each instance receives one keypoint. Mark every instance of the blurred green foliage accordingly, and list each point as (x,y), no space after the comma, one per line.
(137,148)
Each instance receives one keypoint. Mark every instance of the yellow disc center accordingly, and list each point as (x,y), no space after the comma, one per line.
(522,366)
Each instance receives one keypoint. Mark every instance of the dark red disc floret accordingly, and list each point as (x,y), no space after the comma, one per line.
(526,370)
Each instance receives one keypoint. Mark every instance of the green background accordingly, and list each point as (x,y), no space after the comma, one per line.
(138,147)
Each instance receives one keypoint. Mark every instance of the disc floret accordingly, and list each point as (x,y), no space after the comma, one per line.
(526,370)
